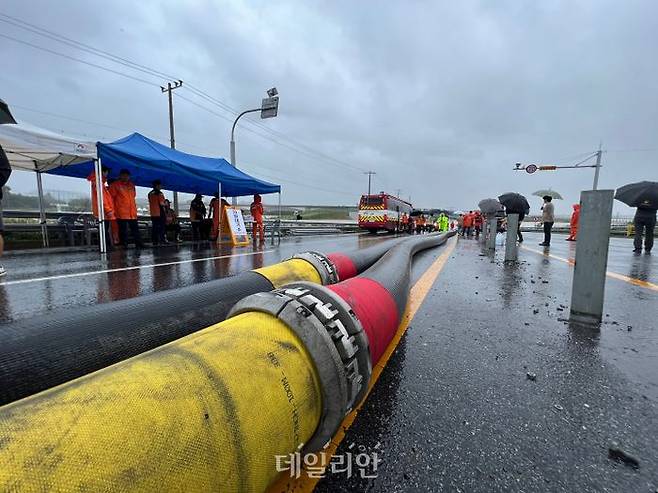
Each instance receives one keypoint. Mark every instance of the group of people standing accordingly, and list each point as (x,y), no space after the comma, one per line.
(470,224)
(120,211)
(420,224)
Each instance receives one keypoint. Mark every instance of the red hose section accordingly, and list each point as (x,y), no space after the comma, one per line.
(344,265)
(374,307)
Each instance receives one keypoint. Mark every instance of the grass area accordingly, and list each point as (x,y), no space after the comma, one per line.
(316,213)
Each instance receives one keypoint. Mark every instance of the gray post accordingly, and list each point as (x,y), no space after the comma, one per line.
(589,273)
(493,228)
(511,251)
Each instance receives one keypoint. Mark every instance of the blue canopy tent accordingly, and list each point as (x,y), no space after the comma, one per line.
(148,160)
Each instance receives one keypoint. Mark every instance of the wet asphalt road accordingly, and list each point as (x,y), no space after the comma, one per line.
(38,283)
(454,410)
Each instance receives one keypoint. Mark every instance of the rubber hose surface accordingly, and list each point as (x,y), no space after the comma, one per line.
(41,352)
(209,412)
(379,295)
(351,263)
(45,351)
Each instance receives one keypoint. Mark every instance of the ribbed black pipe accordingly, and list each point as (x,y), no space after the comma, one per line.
(393,269)
(44,351)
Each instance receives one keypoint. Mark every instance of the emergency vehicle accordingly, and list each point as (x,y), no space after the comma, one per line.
(382,212)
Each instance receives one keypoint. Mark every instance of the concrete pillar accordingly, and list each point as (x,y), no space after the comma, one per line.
(511,250)
(591,256)
(493,228)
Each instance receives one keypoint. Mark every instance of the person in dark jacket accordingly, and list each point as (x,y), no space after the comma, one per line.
(645,223)
(197,215)
(5,172)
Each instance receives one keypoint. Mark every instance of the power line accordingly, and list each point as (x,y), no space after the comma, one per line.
(101,67)
(153,72)
(100,138)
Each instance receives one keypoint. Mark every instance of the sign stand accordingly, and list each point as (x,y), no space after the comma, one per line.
(233,228)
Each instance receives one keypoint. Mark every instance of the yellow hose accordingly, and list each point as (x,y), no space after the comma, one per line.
(209,412)
(290,271)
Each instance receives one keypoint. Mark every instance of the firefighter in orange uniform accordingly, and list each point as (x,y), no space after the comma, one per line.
(125,208)
(257,215)
(108,205)
(573,224)
(405,222)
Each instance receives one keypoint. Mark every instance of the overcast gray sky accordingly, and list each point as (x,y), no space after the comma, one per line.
(440,99)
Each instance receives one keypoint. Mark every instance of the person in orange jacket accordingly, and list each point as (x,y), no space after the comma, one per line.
(468,224)
(216,212)
(125,208)
(157,213)
(477,223)
(257,214)
(108,204)
(575,216)
(404,222)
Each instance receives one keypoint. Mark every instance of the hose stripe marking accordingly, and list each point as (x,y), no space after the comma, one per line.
(306,484)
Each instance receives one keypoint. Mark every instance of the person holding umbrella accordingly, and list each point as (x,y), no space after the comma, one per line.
(548,218)
(644,196)
(515,203)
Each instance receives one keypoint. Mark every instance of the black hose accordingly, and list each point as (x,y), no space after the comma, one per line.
(44,351)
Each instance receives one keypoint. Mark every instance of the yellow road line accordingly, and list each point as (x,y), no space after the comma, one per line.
(613,275)
(419,291)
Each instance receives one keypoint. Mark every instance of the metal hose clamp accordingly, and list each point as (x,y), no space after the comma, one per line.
(343,317)
(322,264)
(326,339)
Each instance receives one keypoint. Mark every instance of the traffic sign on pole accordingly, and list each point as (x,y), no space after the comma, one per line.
(269,107)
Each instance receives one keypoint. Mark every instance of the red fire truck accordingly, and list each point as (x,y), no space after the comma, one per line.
(382,212)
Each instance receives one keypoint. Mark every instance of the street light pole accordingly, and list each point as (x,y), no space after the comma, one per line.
(234,200)
(269,109)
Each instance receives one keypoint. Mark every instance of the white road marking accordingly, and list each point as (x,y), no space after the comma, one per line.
(136,267)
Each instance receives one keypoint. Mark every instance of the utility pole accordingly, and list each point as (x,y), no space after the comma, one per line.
(370,175)
(172,140)
(398,191)
(597,168)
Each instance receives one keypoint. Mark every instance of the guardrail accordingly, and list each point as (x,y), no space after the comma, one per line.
(23,229)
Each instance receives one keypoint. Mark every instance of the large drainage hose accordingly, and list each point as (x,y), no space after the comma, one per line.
(209,412)
(41,352)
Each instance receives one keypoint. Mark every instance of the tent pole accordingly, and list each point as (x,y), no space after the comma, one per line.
(278,228)
(176,203)
(42,212)
(101,207)
(219,223)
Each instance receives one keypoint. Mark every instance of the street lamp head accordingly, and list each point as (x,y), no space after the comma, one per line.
(272,92)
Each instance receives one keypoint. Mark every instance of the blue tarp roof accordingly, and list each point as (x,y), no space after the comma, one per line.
(148,160)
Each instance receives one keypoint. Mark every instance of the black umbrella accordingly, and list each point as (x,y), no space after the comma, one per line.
(490,206)
(641,194)
(5,114)
(514,203)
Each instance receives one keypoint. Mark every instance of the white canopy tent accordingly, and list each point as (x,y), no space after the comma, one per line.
(31,148)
